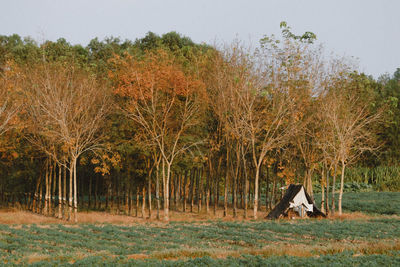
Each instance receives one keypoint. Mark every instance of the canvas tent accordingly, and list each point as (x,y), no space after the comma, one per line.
(297,199)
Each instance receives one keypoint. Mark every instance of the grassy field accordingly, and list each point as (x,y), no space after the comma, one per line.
(354,239)
(387,203)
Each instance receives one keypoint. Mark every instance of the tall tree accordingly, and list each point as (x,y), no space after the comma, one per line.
(164,102)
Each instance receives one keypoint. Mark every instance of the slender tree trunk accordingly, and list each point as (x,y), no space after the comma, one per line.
(235,182)
(184,190)
(273,196)
(60,214)
(198,191)
(49,195)
(333,191)
(46,196)
(267,203)
(192,176)
(310,185)
(341,189)
(226,183)
(53,212)
(149,193)
(137,201)
(255,207)
(166,190)
(246,190)
(327,192)
(143,201)
(71,176)
(65,204)
(216,194)
(158,191)
(127,203)
(208,178)
(323,192)
(130,200)
(40,198)
(75,194)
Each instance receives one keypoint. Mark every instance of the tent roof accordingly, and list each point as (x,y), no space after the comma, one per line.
(284,204)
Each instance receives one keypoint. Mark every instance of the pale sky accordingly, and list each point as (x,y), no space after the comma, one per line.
(365,29)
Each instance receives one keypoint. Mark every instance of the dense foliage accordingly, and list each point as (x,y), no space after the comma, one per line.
(174,123)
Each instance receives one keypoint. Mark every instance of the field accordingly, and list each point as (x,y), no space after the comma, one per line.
(357,238)
(385,203)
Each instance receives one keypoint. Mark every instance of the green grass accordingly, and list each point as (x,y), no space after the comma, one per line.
(385,203)
(309,242)
(97,243)
(345,259)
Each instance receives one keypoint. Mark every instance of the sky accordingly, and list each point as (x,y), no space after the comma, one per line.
(367,30)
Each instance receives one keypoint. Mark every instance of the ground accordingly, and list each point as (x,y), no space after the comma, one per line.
(356,238)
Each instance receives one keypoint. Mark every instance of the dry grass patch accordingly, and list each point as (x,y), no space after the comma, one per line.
(279,249)
(24,217)
(36,258)
(137,256)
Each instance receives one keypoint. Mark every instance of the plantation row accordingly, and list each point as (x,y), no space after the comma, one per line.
(163,123)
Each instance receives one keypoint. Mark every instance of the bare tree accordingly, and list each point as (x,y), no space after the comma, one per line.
(67,106)
(350,122)
(9,102)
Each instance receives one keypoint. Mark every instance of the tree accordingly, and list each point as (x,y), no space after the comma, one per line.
(66,109)
(350,122)
(164,102)
(9,102)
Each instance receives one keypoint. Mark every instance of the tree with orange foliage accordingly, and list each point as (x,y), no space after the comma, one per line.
(164,102)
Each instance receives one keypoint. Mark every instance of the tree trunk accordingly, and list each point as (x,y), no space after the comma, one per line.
(226,184)
(216,194)
(327,192)
(255,207)
(322,193)
(75,194)
(49,195)
(130,200)
(184,191)
(143,201)
(149,193)
(333,190)
(71,176)
(137,201)
(60,215)
(158,192)
(208,191)
(127,203)
(198,191)
(341,188)
(46,195)
(65,204)
(246,190)
(53,195)
(267,203)
(166,177)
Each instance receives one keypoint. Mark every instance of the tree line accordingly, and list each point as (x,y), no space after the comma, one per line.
(164,123)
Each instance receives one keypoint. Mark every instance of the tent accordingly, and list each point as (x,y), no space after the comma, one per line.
(297,199)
